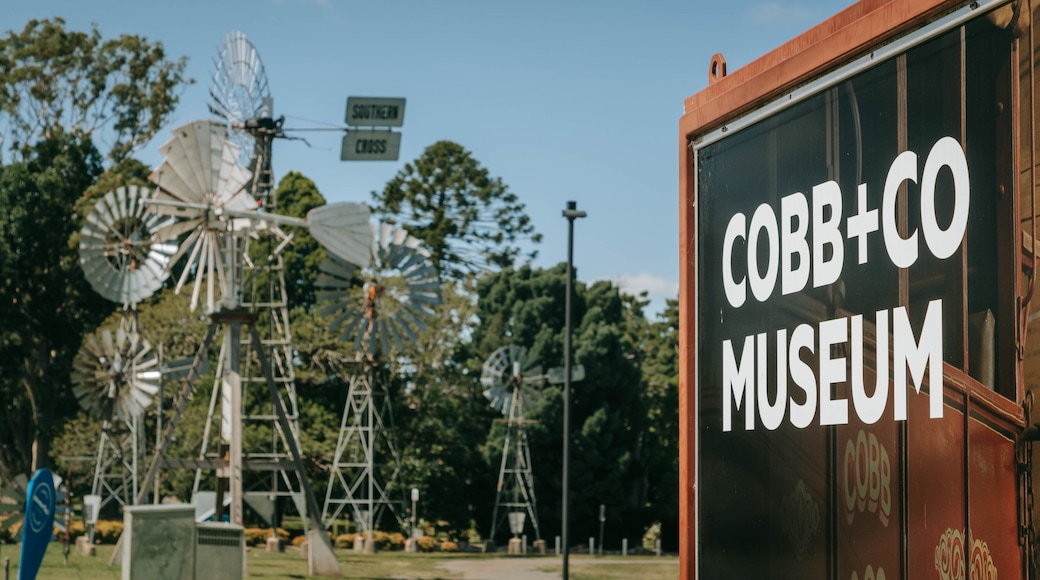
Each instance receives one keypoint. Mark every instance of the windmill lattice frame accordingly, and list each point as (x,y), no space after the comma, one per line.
(114,379)
(510,376)
(201,184)
(385,312)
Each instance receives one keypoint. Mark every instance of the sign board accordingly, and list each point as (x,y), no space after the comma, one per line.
(839,236)
(368,145)
(375,112)
(602,513)
(415,494)
(38,527)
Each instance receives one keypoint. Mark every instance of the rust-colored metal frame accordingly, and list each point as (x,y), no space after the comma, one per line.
(821,49)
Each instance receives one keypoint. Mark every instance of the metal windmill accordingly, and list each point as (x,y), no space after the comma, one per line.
(240,95)
(114,378)
(376,310)
(511,378)
(201,184)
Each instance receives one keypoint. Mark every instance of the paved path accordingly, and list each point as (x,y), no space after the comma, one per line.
(524,568)
(499,568)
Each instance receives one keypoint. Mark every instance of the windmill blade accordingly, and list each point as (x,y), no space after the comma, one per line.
(7,523)
(395,332)
(107,342)
(384,338)
(343,230)
(533,375)
(175,229)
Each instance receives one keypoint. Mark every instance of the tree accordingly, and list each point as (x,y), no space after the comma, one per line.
(119,92)
(469,220)
(526,307)
(657,349)
(442,418)
(296,195)
(61,94)
(46,303)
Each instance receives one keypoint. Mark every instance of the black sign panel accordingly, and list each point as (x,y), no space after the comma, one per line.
(846,244)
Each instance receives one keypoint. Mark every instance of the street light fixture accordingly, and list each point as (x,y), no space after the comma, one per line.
(571,213)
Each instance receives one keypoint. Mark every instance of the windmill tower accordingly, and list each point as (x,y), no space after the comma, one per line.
(114,378)
(240,95)
(375,308)
(510,376)
(202,186)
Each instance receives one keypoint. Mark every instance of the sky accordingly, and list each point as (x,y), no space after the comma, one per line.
(565,101)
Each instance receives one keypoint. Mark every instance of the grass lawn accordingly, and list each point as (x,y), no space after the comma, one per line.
(386,565)
(616,568)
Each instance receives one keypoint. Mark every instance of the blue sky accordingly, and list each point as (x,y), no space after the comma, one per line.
(562,100)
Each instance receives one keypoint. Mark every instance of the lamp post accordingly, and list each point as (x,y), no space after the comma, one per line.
(571,213)
(602,518)
(415,499)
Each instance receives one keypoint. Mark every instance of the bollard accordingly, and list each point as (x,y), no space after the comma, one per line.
(7,569)
(624,547)
(557,545)
(523,544)
(592,545)
(657,546)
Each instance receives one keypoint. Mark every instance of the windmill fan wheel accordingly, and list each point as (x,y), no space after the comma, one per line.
(507,369)
(386,303)
(115,376)
(118,252)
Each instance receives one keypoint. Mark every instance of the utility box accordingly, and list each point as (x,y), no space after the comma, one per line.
(219,551)
(159,542)
(163,542)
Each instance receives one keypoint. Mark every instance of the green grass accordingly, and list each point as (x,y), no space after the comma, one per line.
(386,565)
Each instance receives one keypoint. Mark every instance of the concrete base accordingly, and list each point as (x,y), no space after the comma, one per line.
(305,550)
(321,561)
(275,545)
(411,545)
(490,547)
(359,543)
(84,547)
(370,545)
(539,547)
(515,546)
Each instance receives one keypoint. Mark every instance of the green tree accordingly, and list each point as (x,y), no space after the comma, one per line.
(61,94)
(526,307)
(296,195)
(45,301)
(657,349)
(119,91)
(442,418)
(470,220)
